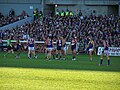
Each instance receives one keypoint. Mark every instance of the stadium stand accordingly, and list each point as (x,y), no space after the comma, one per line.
(83,28)
(5,20)
(17,23)
(91,20)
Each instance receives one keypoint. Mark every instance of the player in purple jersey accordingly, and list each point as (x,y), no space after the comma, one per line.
(105,51)
(18,48)
(73,47)
(31,49)
(59,48)
(49,47)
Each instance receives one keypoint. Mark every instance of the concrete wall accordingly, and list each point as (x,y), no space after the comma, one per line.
(74,5)
(86,10)
(113,10)
(119,10)
(104,7)
(19,6)
(119,7)
(88,2)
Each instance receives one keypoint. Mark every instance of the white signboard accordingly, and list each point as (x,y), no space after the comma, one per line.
(113,51)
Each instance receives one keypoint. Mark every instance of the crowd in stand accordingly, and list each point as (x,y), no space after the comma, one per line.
(11,17)
(82,27)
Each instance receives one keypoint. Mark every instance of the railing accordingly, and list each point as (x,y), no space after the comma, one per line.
(64,2)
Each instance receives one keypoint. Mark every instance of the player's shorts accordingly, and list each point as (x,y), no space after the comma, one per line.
(18,47)
(90,49)
(25,47)
(54,48)
(59,48)
(49,48)
(106,48)
(31,48)
(106,52)
(65,48)
(73,47)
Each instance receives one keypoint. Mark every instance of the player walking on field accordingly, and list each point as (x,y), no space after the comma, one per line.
(49,47)
(31,48)
(64,48)
(90,46)
(73,47)
(18,47)
(105,51)
(59,48)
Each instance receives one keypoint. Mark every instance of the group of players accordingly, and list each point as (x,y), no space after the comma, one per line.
(59,49)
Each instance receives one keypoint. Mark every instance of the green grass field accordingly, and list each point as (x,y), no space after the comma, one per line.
(39,74)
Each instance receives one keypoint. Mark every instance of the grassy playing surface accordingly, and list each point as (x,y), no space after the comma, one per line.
(39,74)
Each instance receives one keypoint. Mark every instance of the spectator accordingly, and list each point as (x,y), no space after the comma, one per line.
(11,13)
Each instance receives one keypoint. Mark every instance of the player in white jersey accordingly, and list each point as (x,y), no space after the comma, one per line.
(31,49)
(49,47)
(90,46)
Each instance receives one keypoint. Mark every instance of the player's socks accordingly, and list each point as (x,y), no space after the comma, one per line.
(12,52)
(64,58)
(47,56)
(53,56)
(35,56)
(60,57)
(73,58)
(18,55)
(56,56)
(101,60)
(108,62)
(29,56)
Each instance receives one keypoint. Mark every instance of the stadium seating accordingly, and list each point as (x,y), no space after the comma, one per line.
(83,28)
(5,20)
